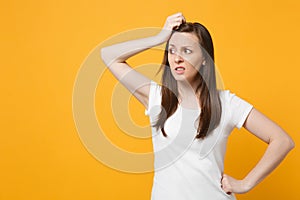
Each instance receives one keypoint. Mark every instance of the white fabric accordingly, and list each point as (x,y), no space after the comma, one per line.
(188,168)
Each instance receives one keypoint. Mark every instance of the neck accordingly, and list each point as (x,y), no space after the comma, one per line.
(187,93)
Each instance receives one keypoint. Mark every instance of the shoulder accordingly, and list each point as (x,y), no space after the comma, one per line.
(154,100)
(155,92)
(155,88)
(237,107)
(155,85)
(225,95)
(232,101)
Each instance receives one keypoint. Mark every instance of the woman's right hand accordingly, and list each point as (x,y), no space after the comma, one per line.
(172,22)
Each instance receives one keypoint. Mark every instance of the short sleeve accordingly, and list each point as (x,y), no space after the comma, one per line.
(239,109)
(154,96)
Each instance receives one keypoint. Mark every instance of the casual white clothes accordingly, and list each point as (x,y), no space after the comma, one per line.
(188,168)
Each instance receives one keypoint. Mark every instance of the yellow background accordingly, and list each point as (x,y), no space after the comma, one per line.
(43,44)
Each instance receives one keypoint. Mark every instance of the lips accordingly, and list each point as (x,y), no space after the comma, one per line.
(179,68)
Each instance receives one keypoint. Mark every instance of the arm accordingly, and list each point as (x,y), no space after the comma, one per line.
(115,57)
(279,144)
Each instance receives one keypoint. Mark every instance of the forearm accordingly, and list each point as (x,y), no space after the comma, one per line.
(122,51)
(275,153)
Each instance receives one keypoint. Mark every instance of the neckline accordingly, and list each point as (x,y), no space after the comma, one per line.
(189,109)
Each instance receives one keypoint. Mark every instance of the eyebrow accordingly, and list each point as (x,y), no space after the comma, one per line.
(182,46)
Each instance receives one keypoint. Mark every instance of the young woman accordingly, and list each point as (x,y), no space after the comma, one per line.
(191,119)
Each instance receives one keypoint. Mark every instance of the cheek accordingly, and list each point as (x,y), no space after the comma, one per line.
(196,59)
(195,63)
(197,66)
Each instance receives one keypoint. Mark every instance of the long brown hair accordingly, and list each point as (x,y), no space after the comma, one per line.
(209,99)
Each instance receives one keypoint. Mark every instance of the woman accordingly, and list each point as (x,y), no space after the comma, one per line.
(191,120)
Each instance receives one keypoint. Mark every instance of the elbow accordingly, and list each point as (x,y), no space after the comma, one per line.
(292,144)
(288,143)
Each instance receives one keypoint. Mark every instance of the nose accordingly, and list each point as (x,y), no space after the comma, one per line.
(178,58)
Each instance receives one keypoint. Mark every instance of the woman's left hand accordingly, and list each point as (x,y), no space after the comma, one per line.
(231,185)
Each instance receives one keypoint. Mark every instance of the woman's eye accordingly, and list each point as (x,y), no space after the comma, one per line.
(187,51)
(171,51)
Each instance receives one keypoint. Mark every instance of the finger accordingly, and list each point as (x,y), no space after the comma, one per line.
(176,15)
(181,16)
(226,189)
(179,21)
(175,27)
(223,177)
(182,19)
(224,184)
(174,21)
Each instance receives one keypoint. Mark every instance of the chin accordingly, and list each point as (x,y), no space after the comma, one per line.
(181,79)
(178,77)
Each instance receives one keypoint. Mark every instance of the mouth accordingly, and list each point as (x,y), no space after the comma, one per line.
(179,68)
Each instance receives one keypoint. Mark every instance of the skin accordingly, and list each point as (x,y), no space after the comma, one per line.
(115,56)
(184,50)
(279,144)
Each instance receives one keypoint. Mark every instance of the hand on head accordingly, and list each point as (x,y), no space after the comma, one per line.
(172,23)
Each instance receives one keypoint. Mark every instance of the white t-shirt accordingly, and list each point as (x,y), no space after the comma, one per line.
(188,168)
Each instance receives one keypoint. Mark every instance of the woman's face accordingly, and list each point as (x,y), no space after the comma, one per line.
(185,56)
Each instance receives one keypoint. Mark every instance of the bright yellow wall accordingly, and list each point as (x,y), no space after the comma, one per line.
(44,43)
